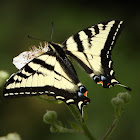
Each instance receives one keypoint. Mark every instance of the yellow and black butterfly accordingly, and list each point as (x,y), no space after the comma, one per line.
(52,72)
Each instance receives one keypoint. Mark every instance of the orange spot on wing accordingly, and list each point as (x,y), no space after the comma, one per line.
(100,82)
(85,94)
(108,84)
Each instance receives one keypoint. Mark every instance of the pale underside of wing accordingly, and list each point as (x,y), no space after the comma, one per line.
(43,75)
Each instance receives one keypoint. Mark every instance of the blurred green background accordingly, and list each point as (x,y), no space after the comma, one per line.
(21,18)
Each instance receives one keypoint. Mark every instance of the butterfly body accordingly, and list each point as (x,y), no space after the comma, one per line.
(52,72)
(60,52)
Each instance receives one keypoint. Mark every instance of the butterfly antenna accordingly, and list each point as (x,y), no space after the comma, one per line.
(35,38)
(52,31)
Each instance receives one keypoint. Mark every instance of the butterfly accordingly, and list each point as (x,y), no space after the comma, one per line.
(52,72)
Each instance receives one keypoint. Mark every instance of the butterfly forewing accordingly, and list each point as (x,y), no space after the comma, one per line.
(38,75)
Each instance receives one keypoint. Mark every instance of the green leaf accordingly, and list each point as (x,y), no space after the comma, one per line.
(46,98)
(59,123)
(75,126)
(53,129)
(85,113)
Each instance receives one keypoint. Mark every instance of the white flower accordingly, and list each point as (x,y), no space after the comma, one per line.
(25,57)
(3,76)
(11,136)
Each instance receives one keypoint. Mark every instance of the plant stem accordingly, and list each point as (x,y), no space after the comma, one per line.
(111,129)
(66,130)
(81,122)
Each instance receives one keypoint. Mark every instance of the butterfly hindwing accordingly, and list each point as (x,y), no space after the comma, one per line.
(92,47)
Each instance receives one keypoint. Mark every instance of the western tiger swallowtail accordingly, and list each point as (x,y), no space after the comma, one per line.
(52,72)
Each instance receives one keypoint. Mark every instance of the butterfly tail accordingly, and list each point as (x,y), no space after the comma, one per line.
(126,87)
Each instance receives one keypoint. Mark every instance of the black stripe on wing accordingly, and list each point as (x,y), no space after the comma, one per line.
(29,91)
(96,29)
(113,34)
(87,69)
(79,43)
(22,75)
(110,42)
(29,69)
(43,64)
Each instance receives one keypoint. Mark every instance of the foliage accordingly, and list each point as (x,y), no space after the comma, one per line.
(119,102)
